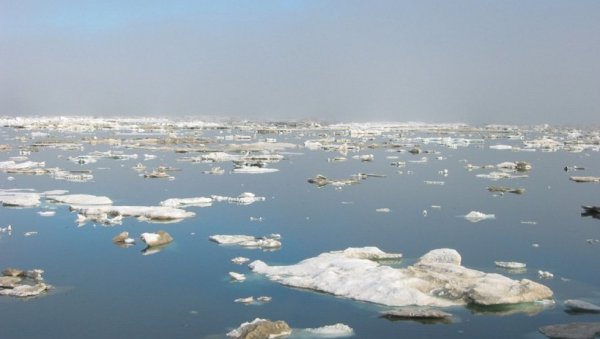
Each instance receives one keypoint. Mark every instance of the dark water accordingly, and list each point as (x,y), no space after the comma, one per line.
(103,291)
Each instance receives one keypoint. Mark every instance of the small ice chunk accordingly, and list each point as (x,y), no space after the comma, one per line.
(237,276)
(475,216)
(511,265)
(383,210)
(434,182)
(47,213)
(264,299)
(545,274)
(28,234)
(187,202)
(156,239)
(501,147)
(240,260)
(268,242)
(247,300)
(331,331)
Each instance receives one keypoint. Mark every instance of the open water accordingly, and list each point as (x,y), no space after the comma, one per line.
(184,291)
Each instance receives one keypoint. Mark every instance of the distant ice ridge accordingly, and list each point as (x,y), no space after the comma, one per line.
(437,279)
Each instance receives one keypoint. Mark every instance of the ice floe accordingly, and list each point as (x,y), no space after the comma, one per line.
(156,239)
(338,330)
(511,265)
(79,199)
(266,242)
(437,279)
(19,283)
(240,260)
(261,328)
(143,213)
(237,276)
(254,170)
(245,198)
(187,202)
(475,216)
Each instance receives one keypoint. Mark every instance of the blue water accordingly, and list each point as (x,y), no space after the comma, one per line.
(104,291)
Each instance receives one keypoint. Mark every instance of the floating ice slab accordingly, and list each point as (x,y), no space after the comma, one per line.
(18,283)
(19,199)
(155,213)
(437,279)
(268,242)
(254,170)
(475,216)
(240,260)
(510,265)
(80,199)
(245,198)
(237,276)
(156,239)
(331,331)
(501,147)
(187,202)
(261,328)
(585,179)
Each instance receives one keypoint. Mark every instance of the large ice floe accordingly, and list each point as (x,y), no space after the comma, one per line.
(143,213)
(437,279)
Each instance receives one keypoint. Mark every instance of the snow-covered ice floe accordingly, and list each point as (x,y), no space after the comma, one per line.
(19,199)
(254,170)
(437,279)
(329,331)
(245,198)
(187,202)
(266,242)
(510,265)
(151,213)
(79,199)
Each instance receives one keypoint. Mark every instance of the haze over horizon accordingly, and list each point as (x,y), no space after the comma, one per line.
(515,62)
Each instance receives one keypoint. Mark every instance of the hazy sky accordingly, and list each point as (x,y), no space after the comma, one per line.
(470,61)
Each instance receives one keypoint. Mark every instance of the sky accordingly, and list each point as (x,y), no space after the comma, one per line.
(480,61)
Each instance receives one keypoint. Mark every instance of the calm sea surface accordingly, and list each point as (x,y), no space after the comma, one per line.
(184,291)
